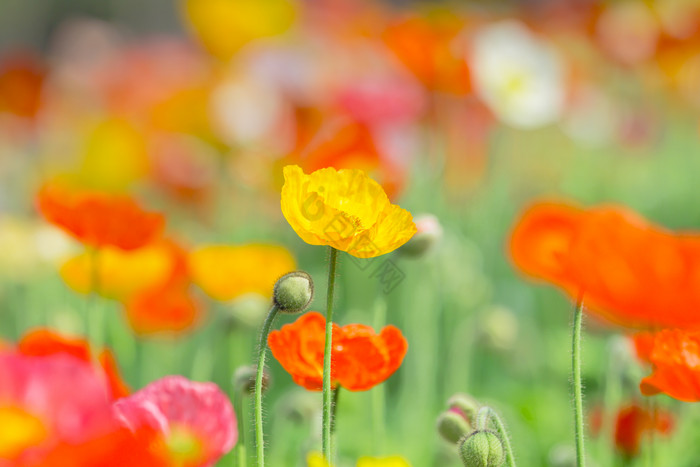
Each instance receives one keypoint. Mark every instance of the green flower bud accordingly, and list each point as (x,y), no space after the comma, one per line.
(293,292)
(244,379)
(452,426)
(482,449)
(465,404)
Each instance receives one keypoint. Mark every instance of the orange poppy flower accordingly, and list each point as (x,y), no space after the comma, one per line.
(673,355)
(21,80)
(43,342)
(360,358)
(630,272)
(99,219)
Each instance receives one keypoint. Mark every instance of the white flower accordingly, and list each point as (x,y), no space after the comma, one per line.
(519,77)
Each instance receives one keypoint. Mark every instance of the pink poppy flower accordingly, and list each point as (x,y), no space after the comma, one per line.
(196,419)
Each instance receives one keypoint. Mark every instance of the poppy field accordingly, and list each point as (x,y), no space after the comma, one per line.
(349,233)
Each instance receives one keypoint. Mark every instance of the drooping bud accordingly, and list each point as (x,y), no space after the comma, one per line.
(426,237)
(465,404)
(482,449)
(244,379)
(452,426)
(293,292)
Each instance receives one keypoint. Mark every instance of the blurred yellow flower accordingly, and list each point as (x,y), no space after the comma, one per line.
(225,272)
(120,273)
(344,209)
(224,26)
(393,461)
(315,459)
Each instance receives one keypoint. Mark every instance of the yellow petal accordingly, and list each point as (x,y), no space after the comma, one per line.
(344,209)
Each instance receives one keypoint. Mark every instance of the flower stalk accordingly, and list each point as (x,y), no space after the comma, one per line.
(262,349)
(327,392)
(487,415)
(576,378)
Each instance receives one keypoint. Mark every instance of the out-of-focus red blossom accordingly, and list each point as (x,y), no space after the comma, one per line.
(36,393)
(99,219)
(360,358)
(630,272)
(196,420)
(345,144)
(632,422)
(21,81)
(673,355)
(44,342)
(429,47)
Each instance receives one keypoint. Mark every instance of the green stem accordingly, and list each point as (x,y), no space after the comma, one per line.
(262,349)
(378,392)
(241,454)
(327,396)
(576,377)
(486,415)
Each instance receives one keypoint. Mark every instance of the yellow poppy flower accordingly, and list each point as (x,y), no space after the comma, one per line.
(121,273)
(225,272)
(344,209)
(393,461)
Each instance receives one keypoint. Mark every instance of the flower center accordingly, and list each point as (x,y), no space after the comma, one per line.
(184,446)
(19,430)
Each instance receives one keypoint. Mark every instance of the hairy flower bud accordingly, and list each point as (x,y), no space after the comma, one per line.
(244,379)
(452,426)
(482,449)
(293,292)
(465,404)
(426,237)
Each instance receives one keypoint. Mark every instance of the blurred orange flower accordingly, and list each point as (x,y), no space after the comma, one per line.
(43,342)
(344,209)
(21,81)
(673,355)
(429,47)
(630,272)
(167,308)
(360,358)
(99,219)
(346,145)
(225,272)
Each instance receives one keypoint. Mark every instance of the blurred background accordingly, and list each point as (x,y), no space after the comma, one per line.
(464,111)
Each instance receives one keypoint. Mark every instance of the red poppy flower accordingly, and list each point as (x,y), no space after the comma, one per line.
(44,342)
(99,219)
(673,355)
(633,421)
(630,272)
(360,358)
